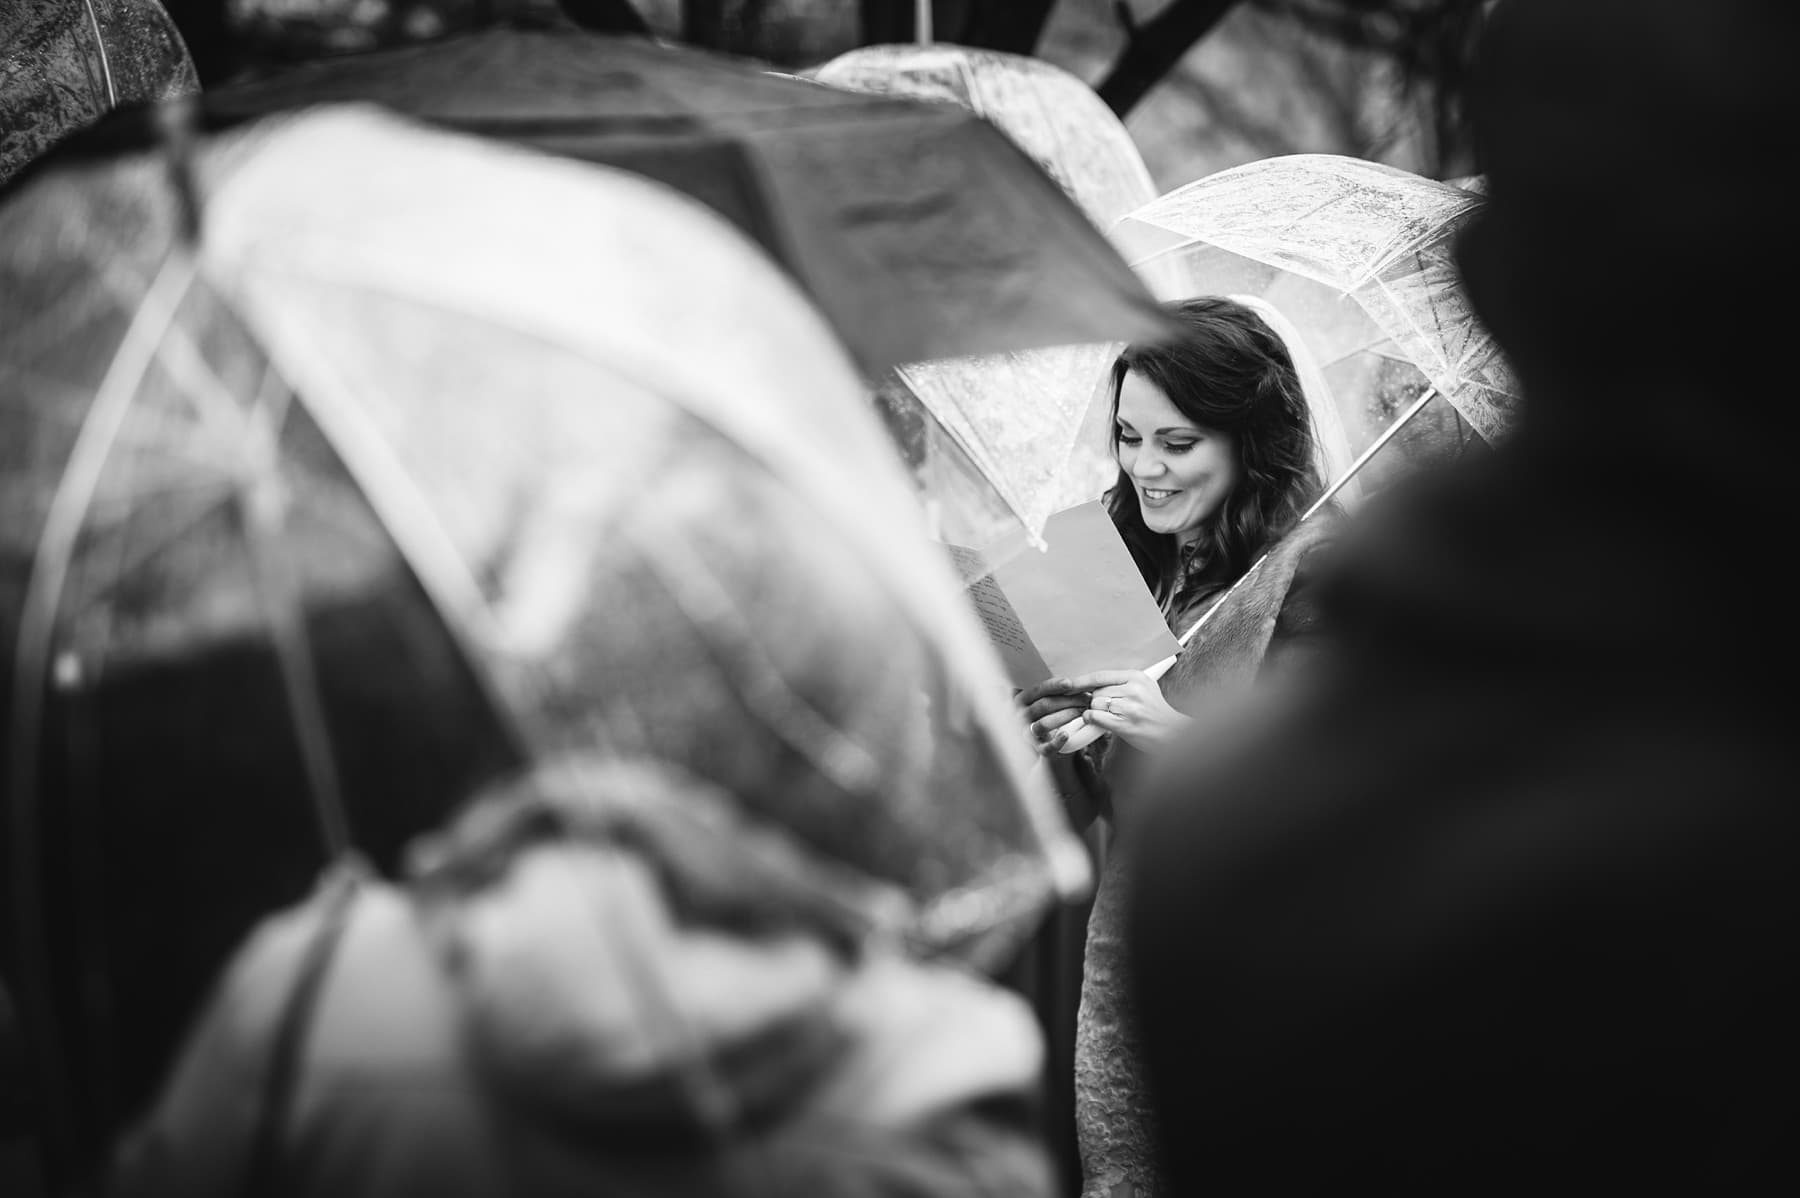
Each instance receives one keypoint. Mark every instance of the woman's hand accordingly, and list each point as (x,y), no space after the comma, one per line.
(1051,709)
(1129,704)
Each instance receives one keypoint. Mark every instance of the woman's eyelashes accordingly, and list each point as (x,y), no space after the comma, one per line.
(1131,439)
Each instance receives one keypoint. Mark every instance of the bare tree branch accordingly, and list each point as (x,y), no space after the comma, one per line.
(1431,41)
(1153,47)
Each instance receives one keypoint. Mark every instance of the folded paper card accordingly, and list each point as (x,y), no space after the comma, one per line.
(1075,606)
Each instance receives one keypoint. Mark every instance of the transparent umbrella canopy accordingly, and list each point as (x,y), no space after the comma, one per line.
(1359,256)
(1002,441)
(1050,113)
(361,499)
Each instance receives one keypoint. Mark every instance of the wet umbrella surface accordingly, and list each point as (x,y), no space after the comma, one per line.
(919,229)
(361,500)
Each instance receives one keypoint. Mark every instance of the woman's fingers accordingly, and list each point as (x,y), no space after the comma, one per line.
(1118,701)
(1041,729)
(1100,678)
(1049,686)
(1136,712)
(1077,736)
(1108,721)
(1113,702)
(1076,726)
(1055,703)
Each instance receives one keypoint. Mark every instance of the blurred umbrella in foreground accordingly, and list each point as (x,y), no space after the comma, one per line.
(366,498)
(65,62)
(1004,440)
(1359,257)
(918,229)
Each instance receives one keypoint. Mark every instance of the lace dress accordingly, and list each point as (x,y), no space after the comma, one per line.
(1114,1127)
(1113,1124)
(1271,614)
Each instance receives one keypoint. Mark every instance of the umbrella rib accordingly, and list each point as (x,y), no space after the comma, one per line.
(430,553)
(74,495)
(217,405)
(708,606)
(1188,241)
(1317,208)
(1402,245)
(979,454)
(1224,241)
(968,81)
(179,355)
(264,511)
(425,546)
(112,93)
(212,494)
(37,620)
(1362,460)
(1442,380)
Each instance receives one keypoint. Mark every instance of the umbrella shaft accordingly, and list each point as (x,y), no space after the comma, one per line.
(1386,436)
(1363,458)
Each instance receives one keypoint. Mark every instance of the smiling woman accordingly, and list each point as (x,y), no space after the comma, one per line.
(1193,419)
(1180,471)
(1214,441)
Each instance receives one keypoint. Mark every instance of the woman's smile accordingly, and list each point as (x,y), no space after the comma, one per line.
(1182,472)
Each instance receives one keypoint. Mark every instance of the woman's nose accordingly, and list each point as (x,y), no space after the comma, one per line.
(1146,465)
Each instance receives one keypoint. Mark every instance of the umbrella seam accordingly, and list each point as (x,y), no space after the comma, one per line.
(112,93)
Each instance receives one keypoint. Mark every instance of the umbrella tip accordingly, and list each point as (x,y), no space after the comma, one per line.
(176,119)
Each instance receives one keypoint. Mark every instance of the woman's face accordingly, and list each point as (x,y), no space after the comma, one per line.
(1182,472)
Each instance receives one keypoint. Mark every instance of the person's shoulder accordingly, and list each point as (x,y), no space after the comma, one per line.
(1322,528)
(1302,555)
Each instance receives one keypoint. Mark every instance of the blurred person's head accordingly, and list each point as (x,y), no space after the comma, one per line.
(1635,220)
(1214,442)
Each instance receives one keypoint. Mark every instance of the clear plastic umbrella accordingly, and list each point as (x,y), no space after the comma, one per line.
(362,498)
(1003,441)
(1050,113)
(1359,255)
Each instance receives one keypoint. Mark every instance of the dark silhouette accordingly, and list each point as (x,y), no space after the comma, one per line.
(1508,904)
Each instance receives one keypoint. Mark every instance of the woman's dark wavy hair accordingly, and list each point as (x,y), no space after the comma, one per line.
(1228,372)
